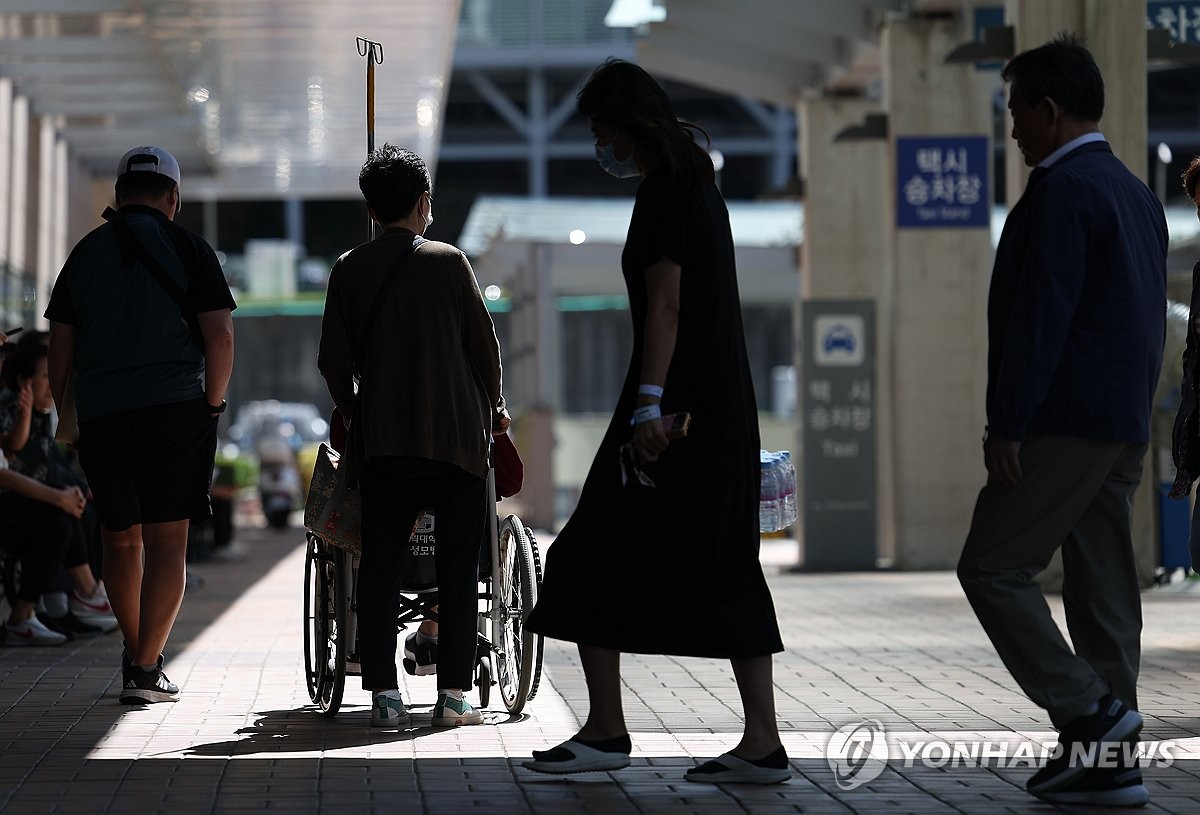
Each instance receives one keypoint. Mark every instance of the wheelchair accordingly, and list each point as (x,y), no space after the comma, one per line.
(507,655)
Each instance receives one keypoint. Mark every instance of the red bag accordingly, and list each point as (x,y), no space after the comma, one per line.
(510,471)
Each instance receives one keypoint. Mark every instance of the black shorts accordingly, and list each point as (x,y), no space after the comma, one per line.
(150,465)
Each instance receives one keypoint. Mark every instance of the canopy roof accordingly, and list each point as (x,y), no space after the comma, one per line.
(256,98)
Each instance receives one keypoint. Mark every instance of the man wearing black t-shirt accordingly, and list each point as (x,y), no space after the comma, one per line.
(141,316)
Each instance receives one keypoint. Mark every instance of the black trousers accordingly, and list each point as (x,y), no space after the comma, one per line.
(395,490)
(1075,496)
(45,539)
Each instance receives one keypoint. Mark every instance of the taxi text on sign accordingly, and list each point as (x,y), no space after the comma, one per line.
(941,181)
(838,399)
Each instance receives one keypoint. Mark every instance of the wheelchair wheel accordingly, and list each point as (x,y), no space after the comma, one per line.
(325,607)
(514,598)
(537,575)
(312,660)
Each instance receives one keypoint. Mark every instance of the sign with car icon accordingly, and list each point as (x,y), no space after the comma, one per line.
(837,402)
(838,340)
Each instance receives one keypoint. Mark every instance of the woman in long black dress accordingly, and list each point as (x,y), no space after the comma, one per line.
(662,558)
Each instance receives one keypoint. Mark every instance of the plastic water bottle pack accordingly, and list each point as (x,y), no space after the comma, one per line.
(777,495)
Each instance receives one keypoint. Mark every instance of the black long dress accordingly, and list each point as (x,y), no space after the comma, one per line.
(673,569)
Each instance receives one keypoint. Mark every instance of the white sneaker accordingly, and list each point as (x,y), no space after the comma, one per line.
(387,710)
(451,712)
(94,610)
(31,632)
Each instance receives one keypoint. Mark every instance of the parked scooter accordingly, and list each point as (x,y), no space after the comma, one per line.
(278,481)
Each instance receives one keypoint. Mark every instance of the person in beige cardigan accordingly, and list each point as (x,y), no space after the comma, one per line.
(428,399)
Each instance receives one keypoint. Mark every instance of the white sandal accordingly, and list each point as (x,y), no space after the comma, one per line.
(583,759)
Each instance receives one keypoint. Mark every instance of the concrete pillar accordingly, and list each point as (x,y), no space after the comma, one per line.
(1105,27)
(82,213)
(59,218)
(842,257)
(1114,31)
(47,186)
(938,284)
(6,103)
(530,384)
(18,190)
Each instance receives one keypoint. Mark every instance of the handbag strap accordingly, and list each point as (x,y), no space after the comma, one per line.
(363,344)
(132,244)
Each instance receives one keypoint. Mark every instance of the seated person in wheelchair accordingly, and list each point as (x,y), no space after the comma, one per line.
(405,317)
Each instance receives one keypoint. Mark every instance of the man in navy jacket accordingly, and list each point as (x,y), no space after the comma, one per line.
(1076,324)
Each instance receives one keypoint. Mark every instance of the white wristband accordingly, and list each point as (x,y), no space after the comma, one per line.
(646,413)
(650,390)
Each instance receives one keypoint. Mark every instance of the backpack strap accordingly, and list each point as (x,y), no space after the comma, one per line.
(394,273)
(133,245)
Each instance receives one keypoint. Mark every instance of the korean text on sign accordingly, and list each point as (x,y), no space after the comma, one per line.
(942,181)
(1181,19)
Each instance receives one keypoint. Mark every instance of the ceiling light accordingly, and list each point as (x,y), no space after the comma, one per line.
(633,13)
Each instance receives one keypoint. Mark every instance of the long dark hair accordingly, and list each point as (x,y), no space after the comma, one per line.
(623,95)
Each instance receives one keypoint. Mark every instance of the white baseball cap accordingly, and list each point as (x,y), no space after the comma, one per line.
(149,160)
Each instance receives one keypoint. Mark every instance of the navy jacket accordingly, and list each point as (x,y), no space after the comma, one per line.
(1077,307)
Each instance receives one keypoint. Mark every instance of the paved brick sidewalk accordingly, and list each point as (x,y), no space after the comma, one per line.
(902,649)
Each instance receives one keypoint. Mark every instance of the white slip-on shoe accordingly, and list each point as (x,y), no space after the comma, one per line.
(94,610)
(575,757)
(31,632)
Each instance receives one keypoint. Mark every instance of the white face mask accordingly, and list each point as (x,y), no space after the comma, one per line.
(615,166)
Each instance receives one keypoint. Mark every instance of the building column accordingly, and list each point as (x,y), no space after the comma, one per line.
(936,348)
(1114,31)
(6,161)
(59,210)
(842,257)
(18,199)
(530,383)
(47,188)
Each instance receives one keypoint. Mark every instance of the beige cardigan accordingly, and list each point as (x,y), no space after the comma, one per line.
(433,380)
